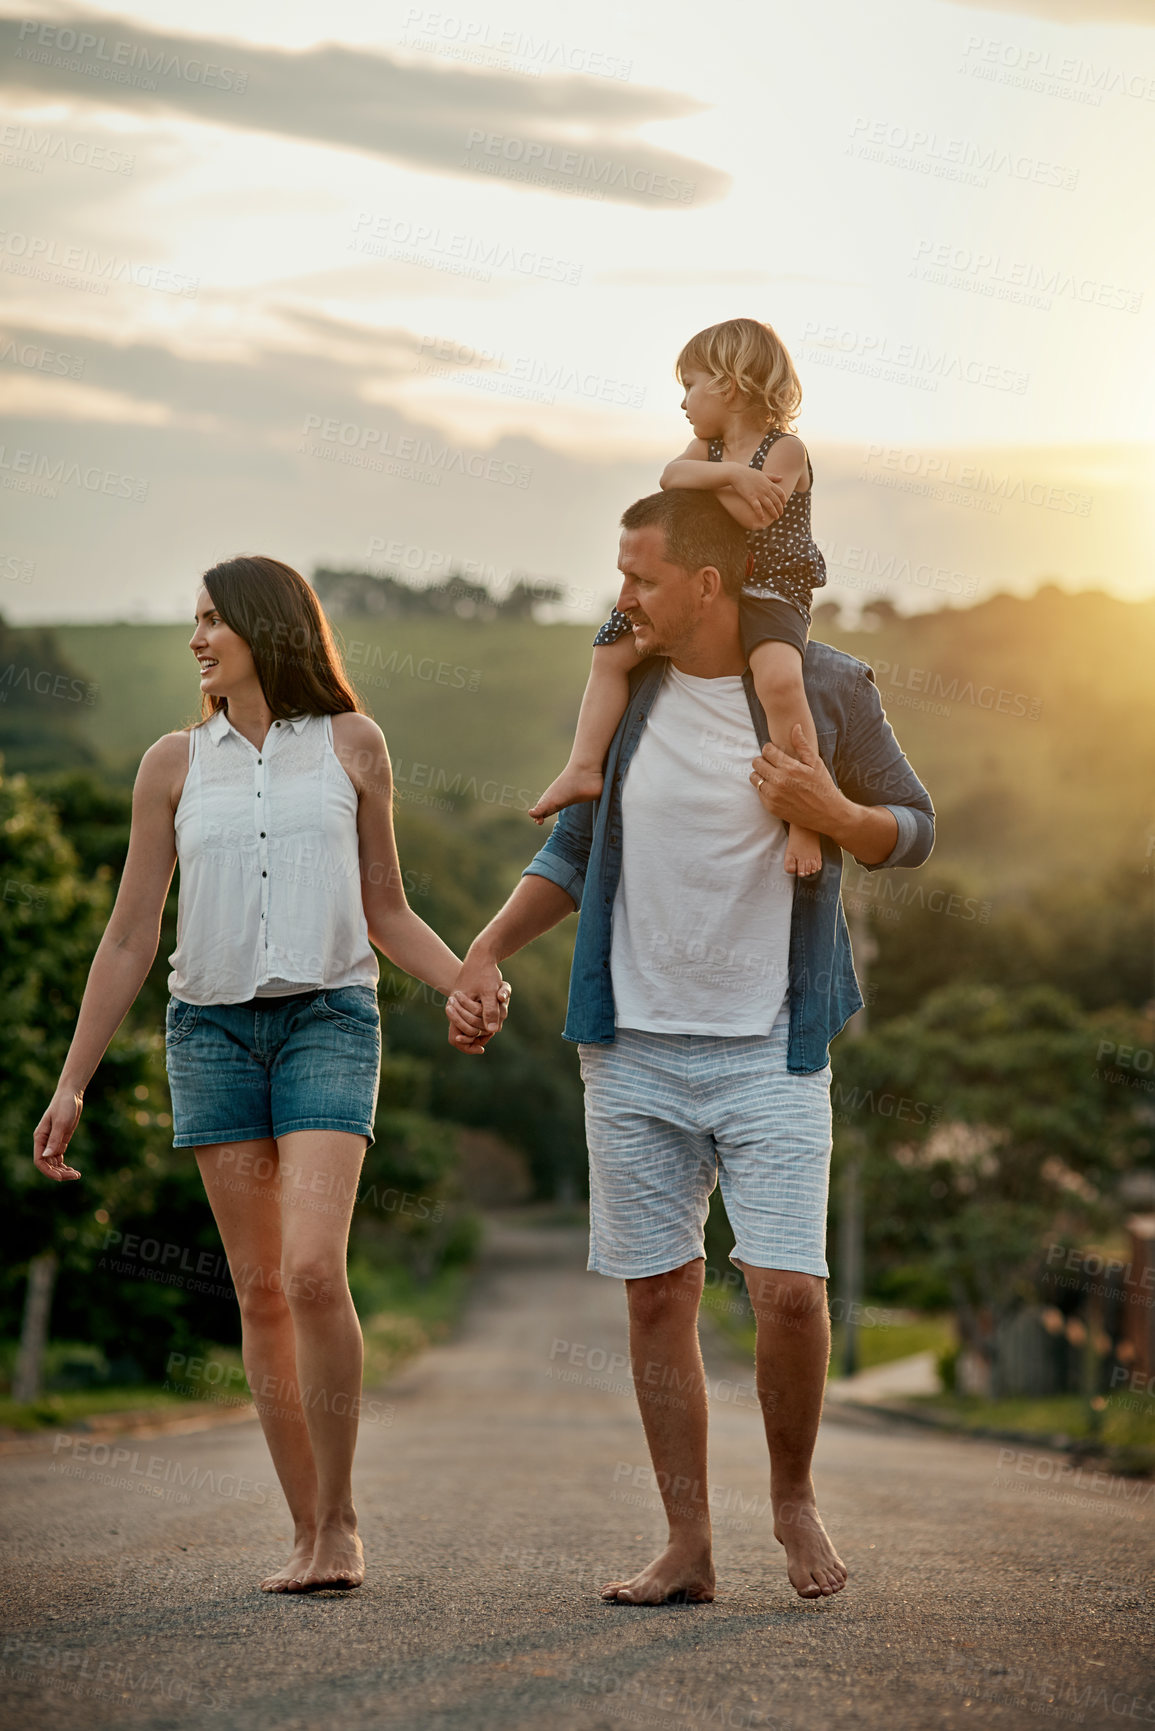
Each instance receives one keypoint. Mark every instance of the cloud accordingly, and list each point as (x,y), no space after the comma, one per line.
(570,134)
(663,278)
(1071,11)
(270,391)
(279,450)
(173,458)
(388,352)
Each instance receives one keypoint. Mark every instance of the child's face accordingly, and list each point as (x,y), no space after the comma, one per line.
(705,404)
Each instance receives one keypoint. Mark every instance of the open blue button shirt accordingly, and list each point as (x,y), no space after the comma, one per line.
(583,854)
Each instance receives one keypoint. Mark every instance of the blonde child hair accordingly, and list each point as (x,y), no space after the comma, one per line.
(752,357)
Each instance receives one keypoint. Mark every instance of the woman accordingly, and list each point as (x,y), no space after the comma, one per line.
(278,805)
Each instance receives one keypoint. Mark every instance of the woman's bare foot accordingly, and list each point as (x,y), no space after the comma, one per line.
(572,786)
(337,1561)
(683,1573)
(803,851)
(813,1565)
(299,1559)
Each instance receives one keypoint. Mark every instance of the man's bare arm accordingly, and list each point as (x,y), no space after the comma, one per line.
(536,906)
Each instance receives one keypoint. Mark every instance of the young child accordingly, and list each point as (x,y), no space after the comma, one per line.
(741,397)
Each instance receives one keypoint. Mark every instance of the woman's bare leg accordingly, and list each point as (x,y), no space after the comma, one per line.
(243,1184)
(777,670)
(319,1175)
(606,695)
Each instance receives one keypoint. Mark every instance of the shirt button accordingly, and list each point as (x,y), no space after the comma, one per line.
(262,835)
(276,724)
(258,793)
(264,874)
(260,760)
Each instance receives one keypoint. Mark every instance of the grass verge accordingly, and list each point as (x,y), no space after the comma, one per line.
(64,1410)
(1123,1429)
(400,1317)
(884,1334)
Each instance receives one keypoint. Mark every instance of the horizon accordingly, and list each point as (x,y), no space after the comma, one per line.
(1046,590)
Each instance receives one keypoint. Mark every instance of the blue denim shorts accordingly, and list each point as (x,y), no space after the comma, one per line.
(240,1072)
(669,1116)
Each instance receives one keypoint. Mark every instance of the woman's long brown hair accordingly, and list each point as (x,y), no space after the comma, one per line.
(272,607)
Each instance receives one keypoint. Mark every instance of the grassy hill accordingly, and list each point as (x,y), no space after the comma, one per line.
(1032,722)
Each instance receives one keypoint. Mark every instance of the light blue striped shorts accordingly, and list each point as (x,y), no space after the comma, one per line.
(668,1116)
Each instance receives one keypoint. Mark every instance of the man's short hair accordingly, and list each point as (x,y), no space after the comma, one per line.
(698,530)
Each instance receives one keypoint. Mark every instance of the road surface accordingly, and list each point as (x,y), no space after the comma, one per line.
(500,1481)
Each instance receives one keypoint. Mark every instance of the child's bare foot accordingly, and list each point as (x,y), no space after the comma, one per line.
(572,786)
(337,1561)
(803,851)
(299,1560)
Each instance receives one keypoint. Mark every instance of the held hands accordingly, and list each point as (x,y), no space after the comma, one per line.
(477,1006)
(797,789)
(53,1134)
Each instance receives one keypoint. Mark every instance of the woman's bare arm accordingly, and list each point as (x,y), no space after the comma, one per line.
(394,928)
(127,949)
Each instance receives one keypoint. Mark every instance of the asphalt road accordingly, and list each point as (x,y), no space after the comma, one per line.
(500,1481)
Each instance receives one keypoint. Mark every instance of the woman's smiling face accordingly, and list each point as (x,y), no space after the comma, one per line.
(224,658)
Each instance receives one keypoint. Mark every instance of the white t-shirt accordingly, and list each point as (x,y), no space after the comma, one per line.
(701,921)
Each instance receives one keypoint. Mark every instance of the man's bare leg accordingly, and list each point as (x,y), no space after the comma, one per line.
(670,1382)
(792,1355)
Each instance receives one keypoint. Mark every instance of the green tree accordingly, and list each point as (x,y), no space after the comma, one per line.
(409,1208)
(96,816)
(527,1087)
(988,1124)
(43,700)
(934,928)
(52,917)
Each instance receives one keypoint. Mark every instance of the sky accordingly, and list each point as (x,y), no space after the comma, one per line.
(398,287)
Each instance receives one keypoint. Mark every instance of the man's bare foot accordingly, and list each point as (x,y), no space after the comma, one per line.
(803,852)
(337,1561)
(683,1574)
(572,786)
(813,1565)
(300,1557)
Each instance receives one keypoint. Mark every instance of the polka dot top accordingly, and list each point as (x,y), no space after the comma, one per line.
(786,561)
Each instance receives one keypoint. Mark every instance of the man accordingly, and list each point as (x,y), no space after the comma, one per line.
(706,987)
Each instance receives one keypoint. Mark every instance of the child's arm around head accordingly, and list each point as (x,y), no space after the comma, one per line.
(697,451)
(752,498)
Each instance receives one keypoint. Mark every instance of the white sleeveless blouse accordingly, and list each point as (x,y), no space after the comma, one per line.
(270,879)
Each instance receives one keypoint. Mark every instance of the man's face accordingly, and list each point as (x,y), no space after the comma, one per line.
(663,602)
